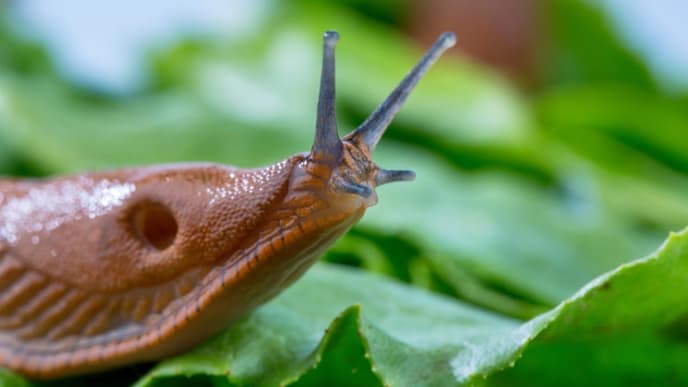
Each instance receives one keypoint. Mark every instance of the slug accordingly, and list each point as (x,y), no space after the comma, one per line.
(104,269)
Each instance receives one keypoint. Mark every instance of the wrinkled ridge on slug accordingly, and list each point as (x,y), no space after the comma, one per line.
(105,269)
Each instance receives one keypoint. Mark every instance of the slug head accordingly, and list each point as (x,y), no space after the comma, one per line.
(349,160)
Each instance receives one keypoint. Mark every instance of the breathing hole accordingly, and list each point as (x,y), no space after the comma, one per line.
(155,224)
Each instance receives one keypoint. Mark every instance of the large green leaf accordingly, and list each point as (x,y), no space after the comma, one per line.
(463,344)
(378,331)
(636,358)
(284,339)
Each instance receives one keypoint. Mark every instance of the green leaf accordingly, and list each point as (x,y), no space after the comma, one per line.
(640,358)
(505,230)
(64,133)
(8,379)
(284,339)
(584,48)
(293,336)
(645,121)
(18,54)
(633,146)
(288,336)
(6,157)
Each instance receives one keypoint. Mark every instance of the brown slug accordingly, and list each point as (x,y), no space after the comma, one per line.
(104,269)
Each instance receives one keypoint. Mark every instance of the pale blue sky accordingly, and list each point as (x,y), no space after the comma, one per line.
(102,43)
(658,31)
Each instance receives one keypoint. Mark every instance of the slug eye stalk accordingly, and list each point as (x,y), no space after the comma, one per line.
(327,143)
(372,129)
(329,148)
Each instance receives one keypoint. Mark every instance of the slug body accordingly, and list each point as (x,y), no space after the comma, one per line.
(104,269)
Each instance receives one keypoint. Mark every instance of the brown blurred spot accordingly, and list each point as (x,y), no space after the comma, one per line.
(501,34)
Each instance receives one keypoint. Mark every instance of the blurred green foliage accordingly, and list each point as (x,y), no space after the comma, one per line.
(521,199)
(584,48)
